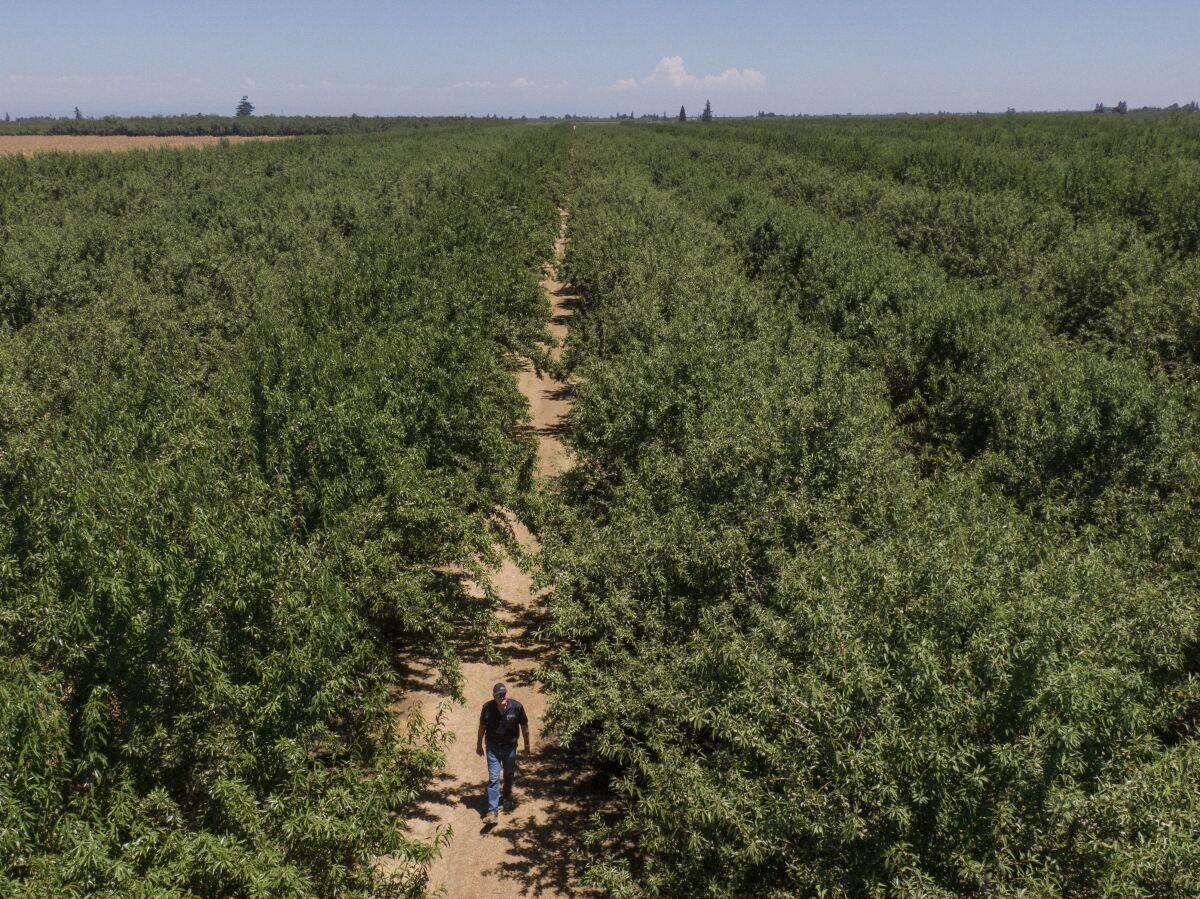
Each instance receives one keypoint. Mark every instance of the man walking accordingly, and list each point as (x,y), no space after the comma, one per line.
(499,722)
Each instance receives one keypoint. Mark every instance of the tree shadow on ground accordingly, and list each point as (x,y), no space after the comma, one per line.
(568,305)
(441,792)
(546,856)
(416,671)
(542,855)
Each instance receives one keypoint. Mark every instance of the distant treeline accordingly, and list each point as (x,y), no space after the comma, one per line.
(215,125)
(256,126)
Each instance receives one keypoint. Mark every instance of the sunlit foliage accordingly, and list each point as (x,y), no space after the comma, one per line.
(253,400)
(878,572)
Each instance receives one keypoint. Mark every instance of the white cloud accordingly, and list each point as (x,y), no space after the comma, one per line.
(369,87)
(528,83)
(671,71)
(744,79)
(474,85)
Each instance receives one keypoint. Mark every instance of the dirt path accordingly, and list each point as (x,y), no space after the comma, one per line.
(528,853)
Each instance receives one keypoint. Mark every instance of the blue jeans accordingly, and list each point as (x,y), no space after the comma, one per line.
(500,756)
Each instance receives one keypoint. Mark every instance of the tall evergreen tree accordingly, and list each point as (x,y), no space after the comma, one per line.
(78,114)
(245,107)
(706,116)
(682,114)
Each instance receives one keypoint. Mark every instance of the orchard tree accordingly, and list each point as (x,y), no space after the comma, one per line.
(682,114)
(245,107)
(706,116)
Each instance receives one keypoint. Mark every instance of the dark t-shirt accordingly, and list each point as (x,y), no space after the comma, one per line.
(502,729)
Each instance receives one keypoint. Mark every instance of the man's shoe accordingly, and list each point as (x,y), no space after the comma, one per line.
(491,818)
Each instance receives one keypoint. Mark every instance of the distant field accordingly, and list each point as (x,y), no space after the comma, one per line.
(32,144)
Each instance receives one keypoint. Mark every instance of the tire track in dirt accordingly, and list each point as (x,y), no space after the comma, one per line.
(529,852)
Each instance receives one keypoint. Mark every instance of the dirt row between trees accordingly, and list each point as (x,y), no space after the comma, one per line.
(34,144)
(529,853)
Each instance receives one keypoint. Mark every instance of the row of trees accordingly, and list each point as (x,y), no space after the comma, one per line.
(1122,107)
(876,573)
(254,404)
(244,108)
(1109,281)
(1135,169)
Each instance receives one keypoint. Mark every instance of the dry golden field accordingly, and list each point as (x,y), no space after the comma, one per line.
(32,144)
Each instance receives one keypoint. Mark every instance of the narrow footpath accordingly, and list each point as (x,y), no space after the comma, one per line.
(529,852)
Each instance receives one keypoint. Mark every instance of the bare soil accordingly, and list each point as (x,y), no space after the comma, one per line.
(530,852)
(33,144)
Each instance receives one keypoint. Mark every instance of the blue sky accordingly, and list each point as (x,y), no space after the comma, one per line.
(376,57)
